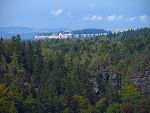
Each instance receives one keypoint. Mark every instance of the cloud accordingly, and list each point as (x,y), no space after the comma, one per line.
(93,18)
(112,18)
(144,18)
(131,19)
(56,12)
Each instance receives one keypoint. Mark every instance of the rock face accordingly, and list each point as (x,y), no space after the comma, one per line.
(102,83)
(141,80)
(94,82)
(100,78)
(116,82)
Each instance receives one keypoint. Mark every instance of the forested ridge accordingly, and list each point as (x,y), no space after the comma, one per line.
(74,76)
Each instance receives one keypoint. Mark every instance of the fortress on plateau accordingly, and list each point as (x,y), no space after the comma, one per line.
(85,33)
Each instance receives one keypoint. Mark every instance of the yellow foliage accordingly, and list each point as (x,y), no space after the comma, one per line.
(80,99)
(2,90)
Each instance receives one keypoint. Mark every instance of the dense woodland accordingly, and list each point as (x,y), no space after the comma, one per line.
(53,76)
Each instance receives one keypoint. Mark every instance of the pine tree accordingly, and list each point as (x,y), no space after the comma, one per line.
(12,108)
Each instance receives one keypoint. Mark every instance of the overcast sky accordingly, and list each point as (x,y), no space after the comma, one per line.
(75,14)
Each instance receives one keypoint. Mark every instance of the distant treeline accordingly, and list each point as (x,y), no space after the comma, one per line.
(90,31)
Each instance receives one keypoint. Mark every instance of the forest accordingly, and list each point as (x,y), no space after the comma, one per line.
(91,75)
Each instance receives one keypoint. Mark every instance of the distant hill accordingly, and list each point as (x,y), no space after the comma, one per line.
(90,31)
(25,32)
(28,33)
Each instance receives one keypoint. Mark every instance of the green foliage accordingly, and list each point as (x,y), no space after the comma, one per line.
(12,109)
(114,108)
(54,76)
(142,105)
(4,103)
(101,105)
(129,94)
(82,104)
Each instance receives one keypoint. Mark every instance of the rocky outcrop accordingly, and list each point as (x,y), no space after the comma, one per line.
(116,81)
(94,82)
(100,78)
(141,80)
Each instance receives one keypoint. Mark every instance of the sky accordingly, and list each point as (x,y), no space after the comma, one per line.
(75,14)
